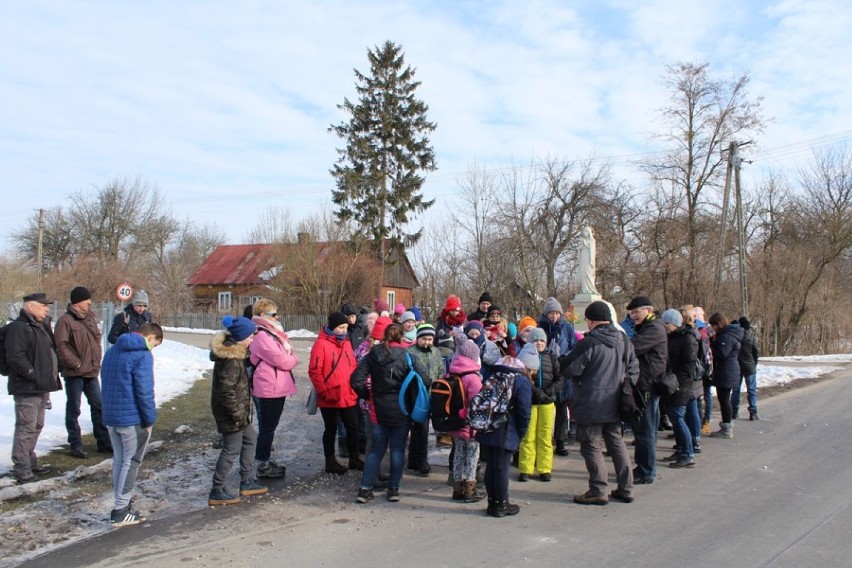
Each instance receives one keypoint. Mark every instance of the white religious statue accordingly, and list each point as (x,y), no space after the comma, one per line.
(586,268)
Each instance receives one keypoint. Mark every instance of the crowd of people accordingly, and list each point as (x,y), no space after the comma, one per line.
(558,385)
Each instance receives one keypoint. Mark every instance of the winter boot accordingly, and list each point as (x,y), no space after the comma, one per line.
(504,509)
(458,490)
(752,415)
(490,510)
(356,463)
(725,431)
(705,427)
(333,466)
(470,494)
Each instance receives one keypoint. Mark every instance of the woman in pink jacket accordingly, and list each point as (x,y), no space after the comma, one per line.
(466,365)
(331,364)
(273,360)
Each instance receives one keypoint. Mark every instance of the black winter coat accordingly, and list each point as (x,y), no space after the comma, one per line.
(726,350)
(33,365)
(547,384)
(386,367)
(230,396)
(651,344)
(748,354)
(683,353)
(126,321)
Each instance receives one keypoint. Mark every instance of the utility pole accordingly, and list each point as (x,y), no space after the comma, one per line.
(723,226)
(40,253)
(741,239)
(733,172)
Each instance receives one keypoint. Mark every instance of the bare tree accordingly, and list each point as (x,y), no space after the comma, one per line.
(275,225)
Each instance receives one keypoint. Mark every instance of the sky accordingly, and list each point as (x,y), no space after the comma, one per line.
(225,106)
(177,366)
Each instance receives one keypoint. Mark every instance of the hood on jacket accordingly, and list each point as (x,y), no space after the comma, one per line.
(223,347)
(461,365)
(609,335)
(732,330)
(131,342)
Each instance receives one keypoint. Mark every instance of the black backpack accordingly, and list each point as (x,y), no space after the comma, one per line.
(446,400)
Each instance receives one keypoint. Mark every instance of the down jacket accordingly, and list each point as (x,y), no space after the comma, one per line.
(683,353)
(387,367)
(127,382)
(127,320)
(230,395)
(468,372)
(78,343)
(547,383)
(726,349)
(331,363)
(749,353)
(33,367)
(596,366)
(274,360)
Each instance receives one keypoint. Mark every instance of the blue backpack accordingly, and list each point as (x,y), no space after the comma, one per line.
(414,399)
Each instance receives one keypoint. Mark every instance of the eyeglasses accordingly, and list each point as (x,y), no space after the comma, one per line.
(271,314)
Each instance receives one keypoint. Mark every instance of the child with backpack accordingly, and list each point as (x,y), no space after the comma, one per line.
(465,365)
(501,413)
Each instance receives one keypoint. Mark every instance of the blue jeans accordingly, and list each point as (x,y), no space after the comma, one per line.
(75,388)
(380,438)
(751,393)
(693,422)
(683,436)
(708,402)
(645,434)
(129,444)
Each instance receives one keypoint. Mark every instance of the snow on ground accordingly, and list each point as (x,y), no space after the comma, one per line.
(176,368)
(295,333)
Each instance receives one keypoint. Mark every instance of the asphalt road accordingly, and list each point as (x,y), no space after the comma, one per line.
(776,495)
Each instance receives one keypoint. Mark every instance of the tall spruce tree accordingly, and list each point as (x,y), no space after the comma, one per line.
(378,172)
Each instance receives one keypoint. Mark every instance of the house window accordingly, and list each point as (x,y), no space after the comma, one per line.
(224,301)
(391,300)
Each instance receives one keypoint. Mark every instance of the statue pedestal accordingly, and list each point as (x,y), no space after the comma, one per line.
(581,302)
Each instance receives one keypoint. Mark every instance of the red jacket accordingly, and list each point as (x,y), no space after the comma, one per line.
(331,364)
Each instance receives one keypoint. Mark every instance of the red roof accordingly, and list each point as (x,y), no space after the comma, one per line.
(233,264)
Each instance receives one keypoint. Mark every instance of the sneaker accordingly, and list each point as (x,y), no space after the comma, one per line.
(125,517)
(587,499)
(220,496)
(42,469)
(270,469)
(561,450)
(523,477)
(621,495)
(672,458)
(252,487)
(364,495)
(79,453)
(393,494)
(684,461)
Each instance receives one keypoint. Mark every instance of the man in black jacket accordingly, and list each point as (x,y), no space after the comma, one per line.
(33,375)
(597,366)
(650,342)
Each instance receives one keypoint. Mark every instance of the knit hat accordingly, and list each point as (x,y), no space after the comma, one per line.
(381,305)
(639,302)
(417,315)
(512,363)
(512,330)
(348,309)
(378,332)
(474,324)
(744,323)
(337,318)
(399,308)
(536,334)
(485,297)
(673,317)
(467,348)
(407,316)
(552,305)
(598,311)
(529,357)
(140,298)
(492,310)
(238,328)
(452,303)
(80,294)
(525,322)
(425,330)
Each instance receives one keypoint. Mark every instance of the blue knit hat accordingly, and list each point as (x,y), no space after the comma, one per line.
(238,328)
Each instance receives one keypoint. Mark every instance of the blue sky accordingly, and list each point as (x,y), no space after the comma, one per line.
(225,106)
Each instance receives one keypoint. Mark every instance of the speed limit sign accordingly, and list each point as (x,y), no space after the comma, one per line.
(124,292)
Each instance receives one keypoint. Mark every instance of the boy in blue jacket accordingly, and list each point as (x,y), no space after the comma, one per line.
(129,412)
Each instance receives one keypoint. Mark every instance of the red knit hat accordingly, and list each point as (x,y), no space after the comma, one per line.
(379,328)
(381,305)
(453,303)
